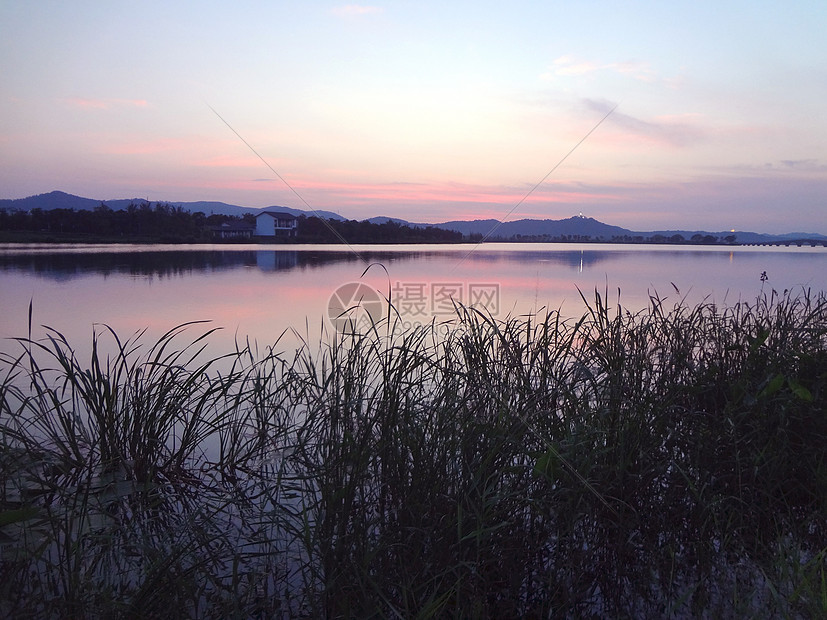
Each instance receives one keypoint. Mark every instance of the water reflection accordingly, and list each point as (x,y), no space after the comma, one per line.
(63,266)
(67,265)
(260,292)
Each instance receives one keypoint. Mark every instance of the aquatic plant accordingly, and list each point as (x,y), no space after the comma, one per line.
(663,462)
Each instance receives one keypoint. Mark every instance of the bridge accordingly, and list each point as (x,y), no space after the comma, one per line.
(793,242)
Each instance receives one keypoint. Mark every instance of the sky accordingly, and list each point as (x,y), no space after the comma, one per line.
(427,111)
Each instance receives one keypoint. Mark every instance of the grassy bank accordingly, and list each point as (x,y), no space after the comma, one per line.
(667,462)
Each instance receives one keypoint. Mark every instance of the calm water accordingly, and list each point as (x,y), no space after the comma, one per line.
(258,293)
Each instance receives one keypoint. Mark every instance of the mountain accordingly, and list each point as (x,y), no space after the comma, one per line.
(223,208)
(52,200)
(62,200)
(383,219)
(526,229)
(573,226)
(579,226)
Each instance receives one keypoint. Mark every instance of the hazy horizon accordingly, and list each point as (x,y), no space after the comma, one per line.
(428,112)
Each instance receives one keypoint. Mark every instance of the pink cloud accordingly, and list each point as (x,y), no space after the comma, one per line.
(147,147)
(460,200)
(638,70)
(569,65)
(228,162)
(404,193)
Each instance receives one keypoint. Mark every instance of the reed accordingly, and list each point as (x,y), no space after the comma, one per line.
(668,462)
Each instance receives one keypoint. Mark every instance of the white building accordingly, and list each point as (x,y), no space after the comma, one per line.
(275,224)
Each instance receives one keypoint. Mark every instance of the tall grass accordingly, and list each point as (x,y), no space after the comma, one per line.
(669,462)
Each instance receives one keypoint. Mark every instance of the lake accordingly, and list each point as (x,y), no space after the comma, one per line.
(501,471)
(260,291)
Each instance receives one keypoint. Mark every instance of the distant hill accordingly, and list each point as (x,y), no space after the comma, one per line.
(52,200)
(573,226)
(225,209)
(524,229)
(383,219)
(579,226)
(62,200)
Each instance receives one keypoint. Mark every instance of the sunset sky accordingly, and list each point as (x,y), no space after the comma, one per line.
(427,111)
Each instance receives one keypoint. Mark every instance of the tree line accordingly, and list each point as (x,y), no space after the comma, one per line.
(166,223)
(696,239)
(316,230)
(145,221)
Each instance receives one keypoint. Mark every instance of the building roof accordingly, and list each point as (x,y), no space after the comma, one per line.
(276,214)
